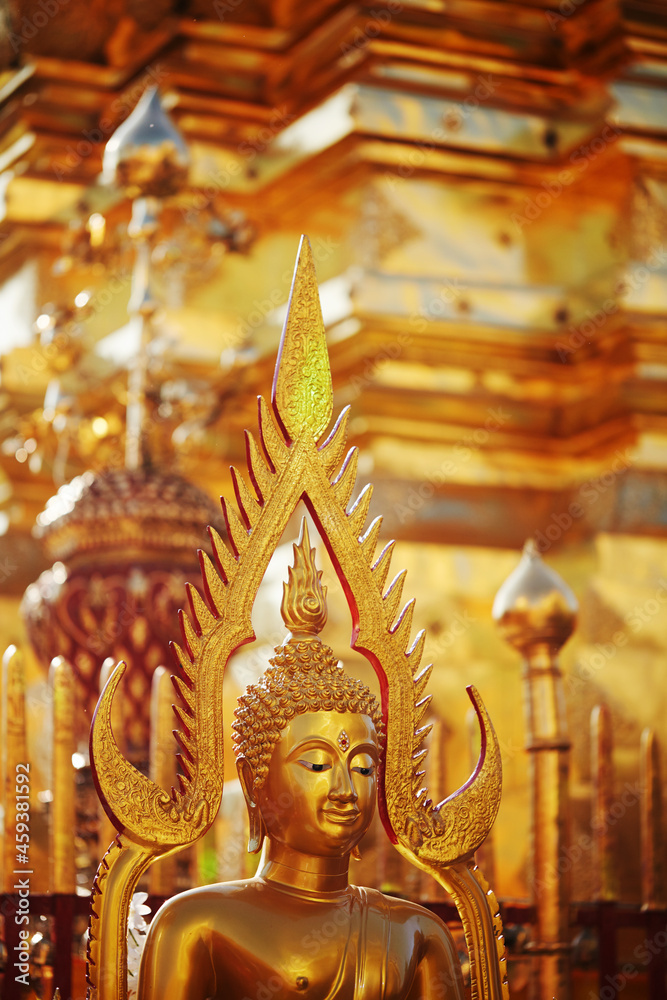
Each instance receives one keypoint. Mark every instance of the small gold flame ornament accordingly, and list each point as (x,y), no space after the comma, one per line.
(304,604)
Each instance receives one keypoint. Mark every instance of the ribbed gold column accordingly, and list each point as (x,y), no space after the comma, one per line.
(651,823)
(14,753)
(162,757)
(536,613)
(63,809)
(602,771)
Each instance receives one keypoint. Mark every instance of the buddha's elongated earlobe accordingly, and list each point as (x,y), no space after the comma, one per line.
(257,830)
(255,821)
(356,853)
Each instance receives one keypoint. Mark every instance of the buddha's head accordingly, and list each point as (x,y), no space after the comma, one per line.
(307,736)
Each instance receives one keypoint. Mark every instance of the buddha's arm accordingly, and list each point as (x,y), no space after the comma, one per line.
(176,963)
(438,974)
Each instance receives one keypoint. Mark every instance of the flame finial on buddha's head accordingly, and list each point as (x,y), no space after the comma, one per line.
(304,604)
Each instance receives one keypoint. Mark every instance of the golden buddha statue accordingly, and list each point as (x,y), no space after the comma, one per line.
(312,745)
(308,742)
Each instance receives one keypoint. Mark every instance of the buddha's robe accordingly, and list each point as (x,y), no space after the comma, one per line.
(252,941)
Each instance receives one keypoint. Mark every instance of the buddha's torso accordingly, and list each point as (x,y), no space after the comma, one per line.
(264,943)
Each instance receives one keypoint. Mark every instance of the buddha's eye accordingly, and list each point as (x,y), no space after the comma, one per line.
(311,766)
(366,771)
(364,765)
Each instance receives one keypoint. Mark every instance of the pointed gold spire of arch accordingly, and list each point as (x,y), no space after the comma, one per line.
(302,391)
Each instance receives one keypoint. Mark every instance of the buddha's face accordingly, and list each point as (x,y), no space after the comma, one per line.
(320,791)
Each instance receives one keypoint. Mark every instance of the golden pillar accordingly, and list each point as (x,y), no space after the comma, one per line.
(602,769)
(63,814)
(15,757)
(651,832)
(536,612)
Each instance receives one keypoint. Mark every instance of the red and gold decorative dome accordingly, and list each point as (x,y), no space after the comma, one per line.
(124,543)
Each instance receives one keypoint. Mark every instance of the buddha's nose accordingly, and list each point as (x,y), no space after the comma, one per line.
(342,788)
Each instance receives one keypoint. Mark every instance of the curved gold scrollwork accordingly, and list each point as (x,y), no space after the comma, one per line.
(293,465)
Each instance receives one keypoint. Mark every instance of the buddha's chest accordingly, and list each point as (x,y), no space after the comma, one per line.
(326,955)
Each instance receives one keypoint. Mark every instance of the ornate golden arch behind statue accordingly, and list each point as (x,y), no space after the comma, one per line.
(296,465)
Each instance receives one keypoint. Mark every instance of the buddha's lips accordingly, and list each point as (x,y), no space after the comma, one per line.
(338,816)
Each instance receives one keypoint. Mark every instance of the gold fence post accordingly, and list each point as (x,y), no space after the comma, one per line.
(651,822)
(602,773)
(605,886)
(536,613)
(63,809)
(14,752)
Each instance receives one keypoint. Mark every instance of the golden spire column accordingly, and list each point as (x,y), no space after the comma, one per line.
(603,853)
(602,768)
(14,753)
(652,854)
(536,613)
(651,823)
(63,814)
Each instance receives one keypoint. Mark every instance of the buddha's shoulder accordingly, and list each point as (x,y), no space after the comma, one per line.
(201,903)
(401,911)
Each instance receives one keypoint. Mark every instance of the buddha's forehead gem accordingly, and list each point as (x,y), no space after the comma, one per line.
(343,740)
